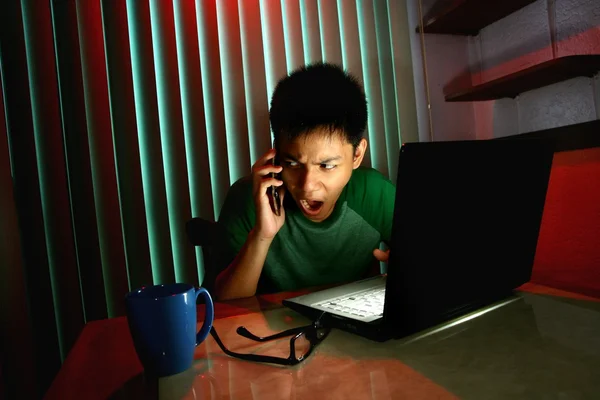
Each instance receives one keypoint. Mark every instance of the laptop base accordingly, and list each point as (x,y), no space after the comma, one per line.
(373,330)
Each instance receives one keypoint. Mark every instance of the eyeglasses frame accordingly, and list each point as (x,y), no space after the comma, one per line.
(310,331)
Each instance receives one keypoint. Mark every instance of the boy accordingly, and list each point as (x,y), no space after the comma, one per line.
(334,213)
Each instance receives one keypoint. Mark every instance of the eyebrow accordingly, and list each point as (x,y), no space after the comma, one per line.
(330,159)
(325,161)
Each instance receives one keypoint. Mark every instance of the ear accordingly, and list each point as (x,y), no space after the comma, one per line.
(359,153)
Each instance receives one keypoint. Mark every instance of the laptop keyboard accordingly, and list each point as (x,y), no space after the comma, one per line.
(364,305)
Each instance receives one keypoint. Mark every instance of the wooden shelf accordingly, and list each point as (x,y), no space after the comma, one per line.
(580,136)
(467,17)
(545,73)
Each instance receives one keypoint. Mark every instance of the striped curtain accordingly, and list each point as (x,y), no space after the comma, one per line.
(122,119)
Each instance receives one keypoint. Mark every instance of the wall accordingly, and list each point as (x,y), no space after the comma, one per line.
(539,32)
(447,57)
(568,254)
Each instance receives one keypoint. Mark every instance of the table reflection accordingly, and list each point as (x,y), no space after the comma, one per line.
(534,346)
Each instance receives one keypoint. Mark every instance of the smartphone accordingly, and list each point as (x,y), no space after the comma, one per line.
(275,192)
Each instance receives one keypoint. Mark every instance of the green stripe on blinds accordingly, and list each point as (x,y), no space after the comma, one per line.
(395,53)
(311,36)
(292,33)
(370,66)
(330,32)
(233,89)
(255,81)
(95,91)
(146,108)
(403,74)
(210,64)
(274,44)
(351,54)
(172,138)
(386,75)
(126,149)
(42,157)
(77,160)
(194,124)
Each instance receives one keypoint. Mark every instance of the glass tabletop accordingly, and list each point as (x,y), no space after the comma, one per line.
(530,346)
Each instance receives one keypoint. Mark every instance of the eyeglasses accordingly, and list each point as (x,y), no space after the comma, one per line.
(302,342)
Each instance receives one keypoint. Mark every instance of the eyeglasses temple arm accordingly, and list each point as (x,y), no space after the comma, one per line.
(242,331)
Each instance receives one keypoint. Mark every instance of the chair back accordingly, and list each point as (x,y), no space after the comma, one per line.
(204,233)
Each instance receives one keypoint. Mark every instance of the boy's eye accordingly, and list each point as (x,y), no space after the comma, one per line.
(327,166)
(291,163)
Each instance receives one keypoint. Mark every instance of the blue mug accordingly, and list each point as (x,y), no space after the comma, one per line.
(162,322)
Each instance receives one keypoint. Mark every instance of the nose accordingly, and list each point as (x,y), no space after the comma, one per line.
(309,182)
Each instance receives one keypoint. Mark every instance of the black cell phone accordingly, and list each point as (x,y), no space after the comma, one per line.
(275,192)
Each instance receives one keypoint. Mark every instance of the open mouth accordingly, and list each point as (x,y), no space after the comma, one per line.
(311,207)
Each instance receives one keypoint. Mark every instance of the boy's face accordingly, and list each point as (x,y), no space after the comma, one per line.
(316,167)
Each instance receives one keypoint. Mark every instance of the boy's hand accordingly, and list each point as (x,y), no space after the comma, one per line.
(375,268)
(381,255)
(267,223)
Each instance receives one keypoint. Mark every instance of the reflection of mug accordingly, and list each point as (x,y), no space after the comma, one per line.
(162,323)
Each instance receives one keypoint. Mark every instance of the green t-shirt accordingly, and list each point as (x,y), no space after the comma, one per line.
(306,253)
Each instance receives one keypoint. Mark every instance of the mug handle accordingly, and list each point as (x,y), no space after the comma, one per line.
(209,315)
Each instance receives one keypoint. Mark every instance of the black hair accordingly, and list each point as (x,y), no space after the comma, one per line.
(319,95)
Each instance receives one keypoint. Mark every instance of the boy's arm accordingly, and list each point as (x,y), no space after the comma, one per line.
(240,278)
(249,226)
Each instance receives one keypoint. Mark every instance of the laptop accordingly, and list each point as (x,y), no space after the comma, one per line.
(466,222)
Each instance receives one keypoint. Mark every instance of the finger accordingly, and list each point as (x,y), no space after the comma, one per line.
(264,172)
(282,192)
(381,255)
(267,169)
(266,183)
(279,191)
(264,159)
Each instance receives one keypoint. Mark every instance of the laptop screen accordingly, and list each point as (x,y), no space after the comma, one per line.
(466,223)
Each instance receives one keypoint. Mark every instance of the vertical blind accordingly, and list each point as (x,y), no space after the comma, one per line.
(122,119)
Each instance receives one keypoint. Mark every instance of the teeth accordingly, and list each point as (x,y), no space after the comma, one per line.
(306,204)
